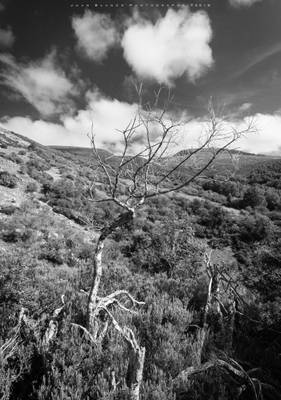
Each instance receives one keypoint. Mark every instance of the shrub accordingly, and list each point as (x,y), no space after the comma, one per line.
(38,164)
(272,199)
(14,158)
(253,197)
(225,187)
(14,235)
(7,179)
(255,228)
(31,187)
(8,210)
(33,146)
(54,252)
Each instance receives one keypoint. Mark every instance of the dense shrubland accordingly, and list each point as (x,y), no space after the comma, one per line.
(228,350)
(172,281)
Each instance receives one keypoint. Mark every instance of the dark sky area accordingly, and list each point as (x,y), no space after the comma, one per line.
(245,72)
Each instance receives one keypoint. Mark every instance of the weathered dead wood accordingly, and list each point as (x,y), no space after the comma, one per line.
(25,323)
(85,331)
(228,368)
(52,330)
(185,376)
(8,349)
(92,307)
(135,366)
(212,302)
(136,359)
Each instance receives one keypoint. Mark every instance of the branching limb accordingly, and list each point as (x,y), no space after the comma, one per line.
(136,358)
(9,347)
(85,331)
(229,368)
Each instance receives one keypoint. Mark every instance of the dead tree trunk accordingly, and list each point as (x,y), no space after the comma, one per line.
(92,309)
(135,372)
(136,359)
(212,303)
(202,336)
(96,304)
(216,293)
(135,366)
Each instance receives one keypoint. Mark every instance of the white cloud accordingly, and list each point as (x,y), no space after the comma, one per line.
(7,37)
(2,7)
(177,44)
(106,114)
(241,3)
(268,136)
(46,133)
(42,83)
(96,34)
(266,139)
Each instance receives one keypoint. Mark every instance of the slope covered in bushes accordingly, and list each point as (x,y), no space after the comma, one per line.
(48,229)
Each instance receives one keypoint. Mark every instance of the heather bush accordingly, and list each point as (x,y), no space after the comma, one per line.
(31,187)
(7,179)
(8,209)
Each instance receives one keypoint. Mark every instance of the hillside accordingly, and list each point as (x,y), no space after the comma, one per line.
(245,161)
(51,215)
(83,152)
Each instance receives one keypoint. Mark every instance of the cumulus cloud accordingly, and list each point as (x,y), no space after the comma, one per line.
(43,132)
(7,37)
(96,34)
(177,44)
(268,136)
(42,83)
(107,115)
(242,3)
(266,139)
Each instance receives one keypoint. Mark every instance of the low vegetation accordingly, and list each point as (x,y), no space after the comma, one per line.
(189,282)
(7,179)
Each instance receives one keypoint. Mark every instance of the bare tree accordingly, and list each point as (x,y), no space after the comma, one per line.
(220,285)
(146,174)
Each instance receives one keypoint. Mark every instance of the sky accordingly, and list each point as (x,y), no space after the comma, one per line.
(67,65)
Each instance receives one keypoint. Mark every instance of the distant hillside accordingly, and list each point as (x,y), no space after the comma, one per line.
(8,138)
(242,162)
(84,152)
(232,151)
